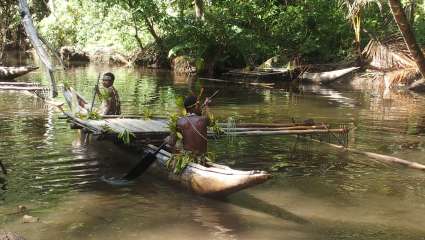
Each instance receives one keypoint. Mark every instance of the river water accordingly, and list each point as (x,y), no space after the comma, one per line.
(317,192)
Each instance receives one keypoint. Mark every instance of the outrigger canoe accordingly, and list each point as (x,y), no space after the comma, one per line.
(13,72)
(214,180)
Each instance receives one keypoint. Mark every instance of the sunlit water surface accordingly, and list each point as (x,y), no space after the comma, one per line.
(317,192)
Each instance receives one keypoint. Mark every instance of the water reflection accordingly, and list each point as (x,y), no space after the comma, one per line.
(316,192)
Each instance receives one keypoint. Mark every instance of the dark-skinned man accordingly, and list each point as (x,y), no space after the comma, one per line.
(193,129)
(111,104)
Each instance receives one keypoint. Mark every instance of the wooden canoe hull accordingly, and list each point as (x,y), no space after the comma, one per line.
(327,77)
(14,72)
(213,181)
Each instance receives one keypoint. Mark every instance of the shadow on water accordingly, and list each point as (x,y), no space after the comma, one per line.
(248,201)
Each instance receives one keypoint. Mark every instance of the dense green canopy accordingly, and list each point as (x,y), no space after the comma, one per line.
(220,32)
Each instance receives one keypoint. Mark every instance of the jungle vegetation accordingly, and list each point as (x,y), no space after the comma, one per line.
(217,33)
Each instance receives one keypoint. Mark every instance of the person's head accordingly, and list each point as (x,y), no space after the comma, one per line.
(108,79)
(192,105)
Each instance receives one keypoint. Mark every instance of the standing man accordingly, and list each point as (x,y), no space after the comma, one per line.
(111,104)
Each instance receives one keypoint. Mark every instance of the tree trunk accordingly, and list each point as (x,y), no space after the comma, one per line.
(151,30)
(199,9)
(136,32)
(37,44)
(409,37)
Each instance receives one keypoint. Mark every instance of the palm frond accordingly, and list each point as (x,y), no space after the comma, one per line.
(355,6)
(388,55)
(404,76)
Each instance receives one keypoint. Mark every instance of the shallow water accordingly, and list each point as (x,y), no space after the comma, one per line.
(316,192)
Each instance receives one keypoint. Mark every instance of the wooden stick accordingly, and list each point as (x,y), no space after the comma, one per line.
(273,128)
(284,132)
(264,125)
(379,157)
(124,116)
(265,85)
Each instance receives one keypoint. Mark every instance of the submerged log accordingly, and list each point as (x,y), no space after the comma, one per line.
(14,72)
(379,157)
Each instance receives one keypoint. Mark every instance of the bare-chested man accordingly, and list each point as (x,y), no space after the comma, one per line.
(193,128)
(111,104)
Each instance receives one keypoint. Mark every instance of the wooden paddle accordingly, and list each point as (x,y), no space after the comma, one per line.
(144,164)
(94,94)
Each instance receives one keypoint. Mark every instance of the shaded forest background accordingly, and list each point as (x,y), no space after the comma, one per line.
(216,34)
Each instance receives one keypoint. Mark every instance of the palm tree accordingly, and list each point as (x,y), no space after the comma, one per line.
(199,9)
(408,36)
(355,8)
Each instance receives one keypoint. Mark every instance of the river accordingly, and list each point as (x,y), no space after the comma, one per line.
(316,192)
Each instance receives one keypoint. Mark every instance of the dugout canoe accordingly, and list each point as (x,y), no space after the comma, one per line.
(214,181)
(327,77)
(14,72)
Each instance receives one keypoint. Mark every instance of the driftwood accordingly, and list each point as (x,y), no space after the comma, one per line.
(14,72)
(379,157)
(327,77)
(264,85)
(37,44)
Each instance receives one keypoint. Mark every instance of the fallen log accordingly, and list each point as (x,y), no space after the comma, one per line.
(379,157)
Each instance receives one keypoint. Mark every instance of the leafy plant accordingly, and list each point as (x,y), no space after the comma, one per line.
(126,136)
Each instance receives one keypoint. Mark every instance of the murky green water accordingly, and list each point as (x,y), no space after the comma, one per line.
(317,192)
